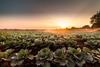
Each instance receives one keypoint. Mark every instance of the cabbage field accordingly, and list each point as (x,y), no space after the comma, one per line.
(45,49)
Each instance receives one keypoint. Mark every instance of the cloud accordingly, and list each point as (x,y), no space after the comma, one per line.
(49,6)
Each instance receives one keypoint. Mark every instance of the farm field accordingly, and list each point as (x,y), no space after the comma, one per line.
(45,49)
(49,33)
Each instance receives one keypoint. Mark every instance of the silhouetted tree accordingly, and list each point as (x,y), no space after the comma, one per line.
(86,27)
(74,28)
(95,20)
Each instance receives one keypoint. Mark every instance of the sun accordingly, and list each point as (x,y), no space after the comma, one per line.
(63,23)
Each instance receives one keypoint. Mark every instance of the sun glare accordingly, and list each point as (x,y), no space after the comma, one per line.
(63,23)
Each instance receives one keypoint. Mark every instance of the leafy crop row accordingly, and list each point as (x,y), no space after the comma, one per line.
(36,49)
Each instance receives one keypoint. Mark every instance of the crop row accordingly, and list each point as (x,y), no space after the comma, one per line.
(53,42)
(45,57)
(21,49)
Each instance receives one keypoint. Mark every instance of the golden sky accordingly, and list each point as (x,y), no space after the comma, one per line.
(30,14)
(42,22)
(33,14)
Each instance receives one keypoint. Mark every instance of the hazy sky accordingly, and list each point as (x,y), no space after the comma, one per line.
(46,13)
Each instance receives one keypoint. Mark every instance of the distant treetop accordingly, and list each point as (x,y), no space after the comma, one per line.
(95,20)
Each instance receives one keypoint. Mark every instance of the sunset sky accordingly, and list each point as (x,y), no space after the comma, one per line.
(41,14)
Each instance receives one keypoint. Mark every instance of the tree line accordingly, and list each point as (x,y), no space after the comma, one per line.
(94,20)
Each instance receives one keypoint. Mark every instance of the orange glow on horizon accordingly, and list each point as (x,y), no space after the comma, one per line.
(62,23)
(41,22)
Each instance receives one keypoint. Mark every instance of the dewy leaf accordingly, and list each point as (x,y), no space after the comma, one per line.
(45,54)
(60,56)
(71,63)
(79,59)
(79,50)
(77,56)
(89,57)
(60,53)
(86,50)
(99,49)
(30,57)
(23,53)
(42,57)
(71,50)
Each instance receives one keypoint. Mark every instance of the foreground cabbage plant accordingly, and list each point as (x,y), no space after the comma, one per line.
(44,57)
(60,56)
(76,57)
(18,58)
